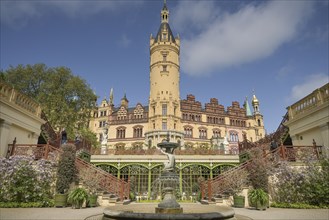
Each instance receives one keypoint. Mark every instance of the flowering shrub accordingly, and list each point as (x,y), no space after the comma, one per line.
(304,185)
(24,180)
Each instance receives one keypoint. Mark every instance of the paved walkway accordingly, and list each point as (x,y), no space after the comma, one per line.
(96,214)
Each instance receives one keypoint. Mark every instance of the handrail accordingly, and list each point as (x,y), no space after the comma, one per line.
(282,153)
(109,182)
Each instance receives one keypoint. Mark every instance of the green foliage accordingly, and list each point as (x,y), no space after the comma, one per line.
(297,206)
(77,197)
(258,196)
(66,172)
(66,99)
(49,203)
(132,196)
(22,179)
(317,183)
(303,185)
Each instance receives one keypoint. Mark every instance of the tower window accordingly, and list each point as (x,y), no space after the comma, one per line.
(164,109)
(164,68)
(164,125)
(164,57)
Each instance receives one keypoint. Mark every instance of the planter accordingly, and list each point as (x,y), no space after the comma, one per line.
(260,206)
(238,201)
(77,197)
(92,202)
(251,204)
(258,198)
(60,200)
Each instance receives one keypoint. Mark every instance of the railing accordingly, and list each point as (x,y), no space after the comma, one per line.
(311,101)
(52,137)
(155,151)
(213,187)
(13,96)
(278,136)
(108,182)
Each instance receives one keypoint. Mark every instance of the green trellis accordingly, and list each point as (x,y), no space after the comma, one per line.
(143,176)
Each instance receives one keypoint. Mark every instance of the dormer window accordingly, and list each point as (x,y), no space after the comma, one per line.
(164,36)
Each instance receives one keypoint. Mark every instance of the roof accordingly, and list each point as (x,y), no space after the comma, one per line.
(163,26)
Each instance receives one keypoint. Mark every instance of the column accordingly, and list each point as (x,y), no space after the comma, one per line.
(5,127)
(149,183)
(181,180)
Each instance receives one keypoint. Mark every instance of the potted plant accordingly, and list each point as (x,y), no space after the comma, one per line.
(77,197)
(259,169)
(259,198)
(233,185)
(66,174)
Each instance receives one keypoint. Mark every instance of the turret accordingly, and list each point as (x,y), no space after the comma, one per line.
(124,101)
(164,100)
(255,104)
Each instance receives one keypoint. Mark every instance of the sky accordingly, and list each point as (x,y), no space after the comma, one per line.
(230,50)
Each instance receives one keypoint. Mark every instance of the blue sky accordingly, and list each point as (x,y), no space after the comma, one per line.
(279,49)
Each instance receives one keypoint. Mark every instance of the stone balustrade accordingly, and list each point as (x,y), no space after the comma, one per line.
(14,97)
(317,98)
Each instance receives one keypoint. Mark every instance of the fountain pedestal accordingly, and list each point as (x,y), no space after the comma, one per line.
(169,181)
(169,205)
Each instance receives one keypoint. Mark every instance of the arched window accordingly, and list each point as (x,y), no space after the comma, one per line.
(121,132)
(188,132)
(216,133)
(138,131)
(202,133)
(234,137)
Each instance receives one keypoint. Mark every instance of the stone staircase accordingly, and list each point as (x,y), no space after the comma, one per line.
(213,188)
(107,182)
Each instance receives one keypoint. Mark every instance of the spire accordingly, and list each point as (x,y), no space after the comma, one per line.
(255,103)
(124,101)
(247,107)
(164,5)
(165,34)
(111,96)
(164,13)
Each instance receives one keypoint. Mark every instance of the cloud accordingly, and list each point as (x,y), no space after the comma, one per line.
(253,32)
(124,41)
(17,14)
(285,71)
(193,15)
(311,83)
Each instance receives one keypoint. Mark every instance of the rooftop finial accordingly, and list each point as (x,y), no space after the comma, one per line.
(164,5)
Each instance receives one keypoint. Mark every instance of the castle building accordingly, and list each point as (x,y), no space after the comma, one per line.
(194,127)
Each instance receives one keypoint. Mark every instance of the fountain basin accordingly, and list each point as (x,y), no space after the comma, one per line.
(146,211)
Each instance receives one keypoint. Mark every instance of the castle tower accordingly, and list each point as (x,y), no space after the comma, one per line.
(258,117)
(164,100)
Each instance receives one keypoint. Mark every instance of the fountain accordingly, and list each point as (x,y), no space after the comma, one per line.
(168,208)
(169,180)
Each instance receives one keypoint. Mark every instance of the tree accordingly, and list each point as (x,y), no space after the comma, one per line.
(67,172)
(66,99)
